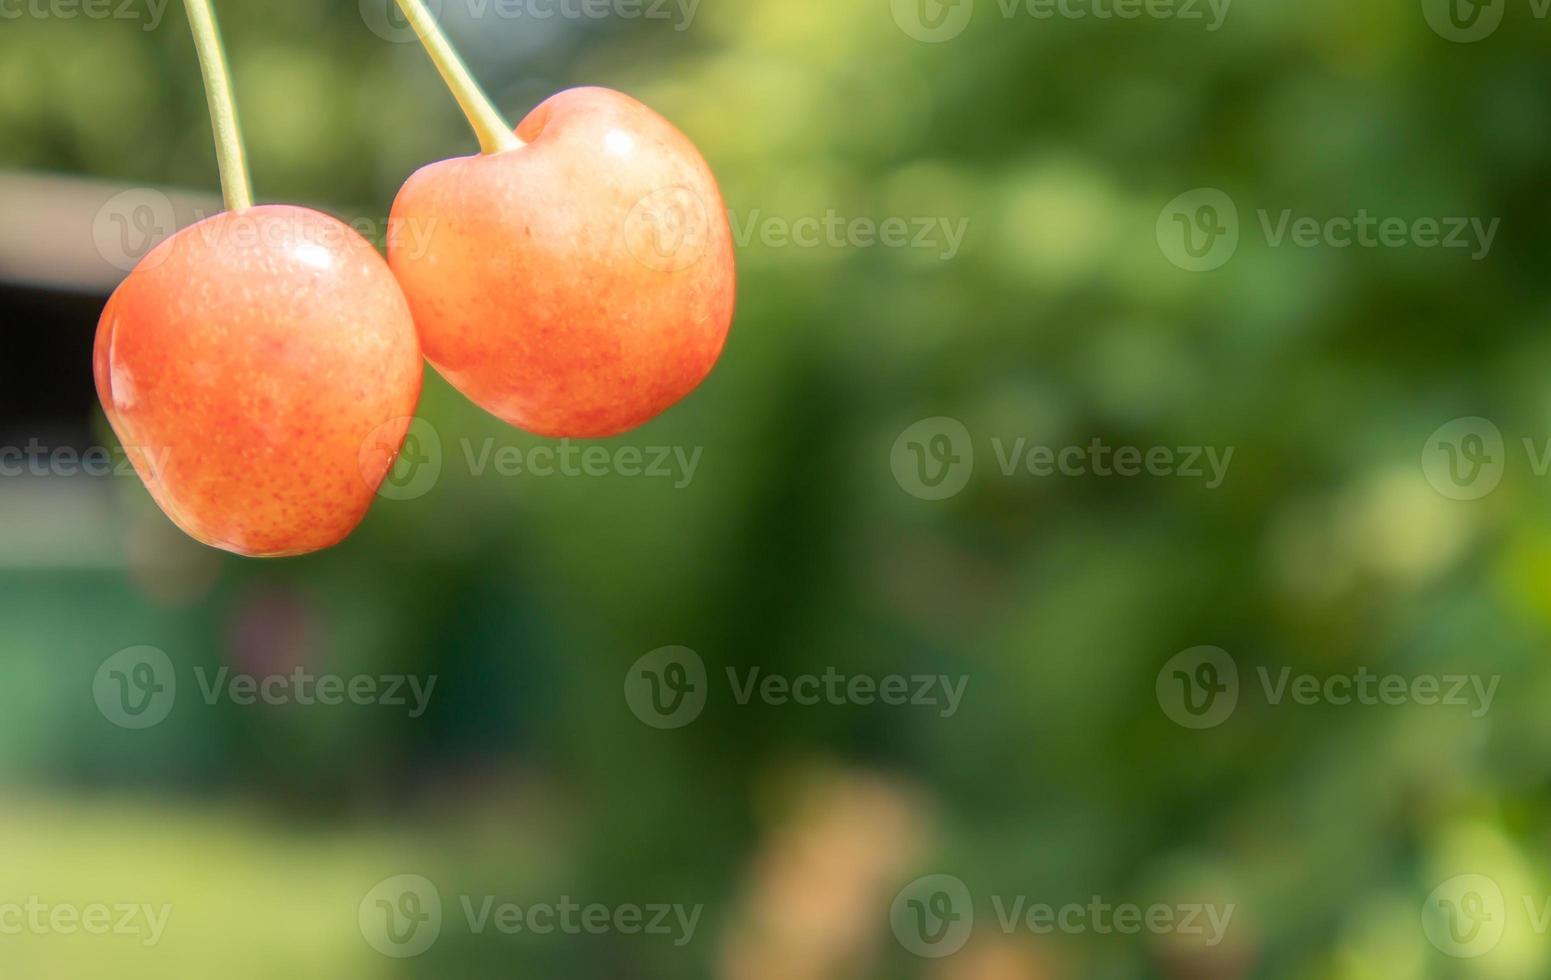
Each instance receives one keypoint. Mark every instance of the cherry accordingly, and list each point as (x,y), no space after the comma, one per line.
(576,278)
(260,369)
(260,366)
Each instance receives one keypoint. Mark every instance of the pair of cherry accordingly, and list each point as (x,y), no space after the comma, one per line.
(262,367)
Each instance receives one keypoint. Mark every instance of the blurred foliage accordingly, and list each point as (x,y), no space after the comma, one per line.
(794,549)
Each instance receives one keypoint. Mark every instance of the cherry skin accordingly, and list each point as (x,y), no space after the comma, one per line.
(260,369)
(578,285)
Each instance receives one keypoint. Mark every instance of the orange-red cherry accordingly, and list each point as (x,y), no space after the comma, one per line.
(260,368)
(579,284)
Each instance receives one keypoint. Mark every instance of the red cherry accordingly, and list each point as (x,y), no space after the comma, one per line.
(260,368)
(578,284)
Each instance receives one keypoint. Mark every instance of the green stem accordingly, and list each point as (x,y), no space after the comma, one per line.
(236,185)
(495,135)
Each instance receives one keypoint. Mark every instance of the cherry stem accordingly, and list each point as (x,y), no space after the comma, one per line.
(236,185)
(495,135)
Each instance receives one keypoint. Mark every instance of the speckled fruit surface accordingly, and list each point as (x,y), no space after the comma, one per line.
(260,369)
(578,285)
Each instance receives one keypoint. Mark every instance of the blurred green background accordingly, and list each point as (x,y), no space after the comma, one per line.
(802,542)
